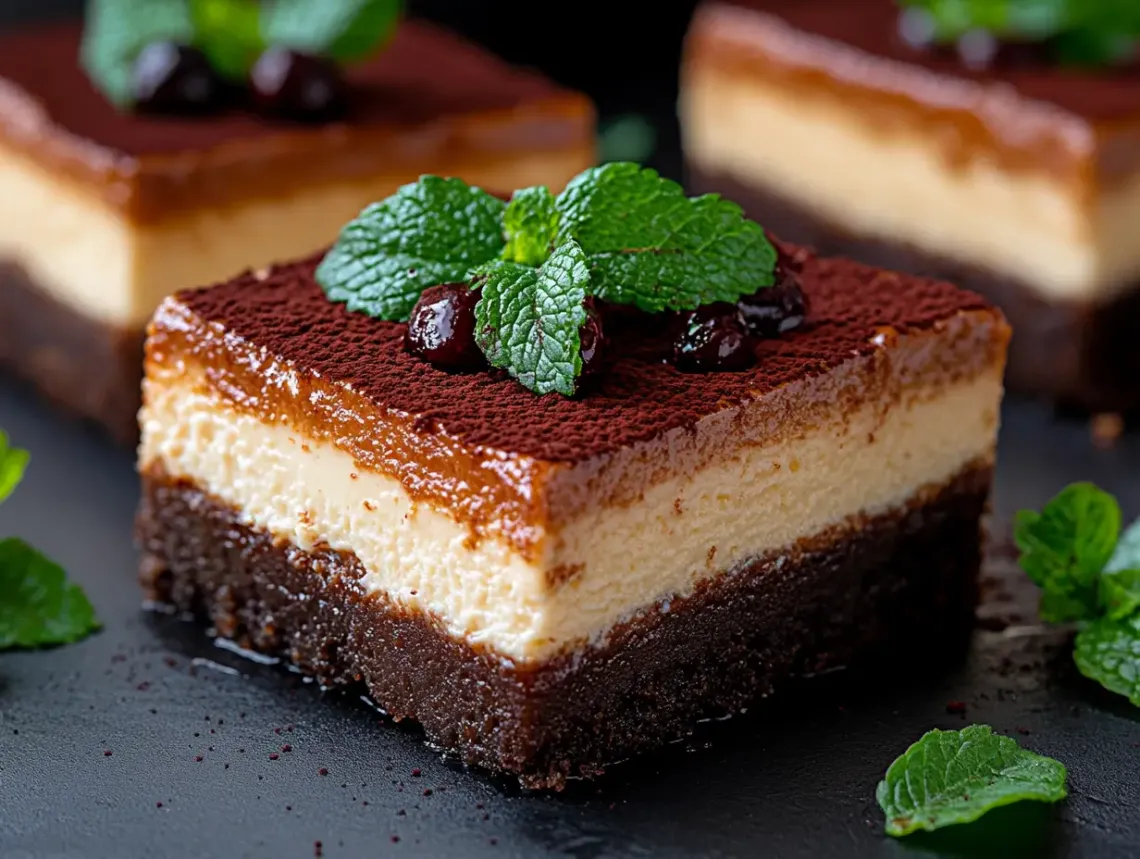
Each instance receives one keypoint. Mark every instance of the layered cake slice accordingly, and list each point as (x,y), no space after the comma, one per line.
(121,183)
(557,518)
(871,130)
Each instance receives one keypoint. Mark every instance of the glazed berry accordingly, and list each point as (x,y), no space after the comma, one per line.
(593,338)
(776,309)
(297,85)
(173,78)
(441,329)
(713,337)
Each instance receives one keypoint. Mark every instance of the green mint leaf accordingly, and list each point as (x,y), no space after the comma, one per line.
(229,33)
(528,320)
(345,30)
(38,606)
(430,232)
(1108,651)
(651,246)
(531,224)
(951,777)
(1065,547)
(13,461)
(117,30)
(1120,581)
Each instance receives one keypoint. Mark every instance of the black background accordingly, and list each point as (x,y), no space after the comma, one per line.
(793,778)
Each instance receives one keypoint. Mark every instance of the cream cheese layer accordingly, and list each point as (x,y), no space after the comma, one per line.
(604,565)
(894,182)
(88,257)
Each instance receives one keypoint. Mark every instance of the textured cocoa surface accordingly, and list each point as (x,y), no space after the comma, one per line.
(905,580)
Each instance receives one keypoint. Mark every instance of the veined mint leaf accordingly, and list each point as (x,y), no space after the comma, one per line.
(651,246)
(430,232)
(345,30)
(951,777)
(528,320)
(229,34)
(1108,651)
(114,33)
(13,461)
(531,224)
(1120,581)
(38,606)
(1065,547)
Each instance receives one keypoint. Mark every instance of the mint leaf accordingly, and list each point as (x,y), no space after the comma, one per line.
(117,30)
(1108,651)
(38,606)
(1065,547)
(13,461)
(531,224)
(345,30)
(430,232)
(1120,581)
(229,34)
(951,777)
(527,320)
(651,246)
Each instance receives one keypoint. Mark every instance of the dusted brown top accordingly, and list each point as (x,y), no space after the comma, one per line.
(640,398)
(499,458)
(1082,123)
(428,96)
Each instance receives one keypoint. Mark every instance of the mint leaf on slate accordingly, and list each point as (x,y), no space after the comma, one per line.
(531,224)
(344,30)
(38,606)
(1065,547)
(1108,651)
(527,320)
(1120,581)
(116,31)
(951,777)
(431,232)
(651,246)
(13,461)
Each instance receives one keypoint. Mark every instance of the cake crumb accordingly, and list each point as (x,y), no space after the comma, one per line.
(318,850)
(1106,428)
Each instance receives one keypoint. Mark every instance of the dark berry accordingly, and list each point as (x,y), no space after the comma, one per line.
(441,329)
(295,85)
(593,339)
(172,78)
(713,337)
(776,309)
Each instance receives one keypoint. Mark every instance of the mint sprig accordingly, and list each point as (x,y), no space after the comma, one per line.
(638,238)
(116,31)
(231,33)
(528,319)
(651,246)
(431,232)
(1089,573)
(1065,547)
(954,777)
(38,606)
(1076,32)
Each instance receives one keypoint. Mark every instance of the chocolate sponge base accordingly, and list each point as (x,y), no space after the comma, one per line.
(904,580)
(1078,355)
(85,367)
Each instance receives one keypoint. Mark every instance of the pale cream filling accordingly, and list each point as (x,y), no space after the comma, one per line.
(894,182)
(619,560)
(88,257)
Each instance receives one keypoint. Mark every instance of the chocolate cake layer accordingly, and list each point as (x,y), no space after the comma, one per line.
(906,580)
(1077,354)
(428,98)
(1077,123)
(85,367)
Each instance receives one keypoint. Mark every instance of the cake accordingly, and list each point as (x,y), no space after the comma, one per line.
(108,209)
(551,583)
(1013,176)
